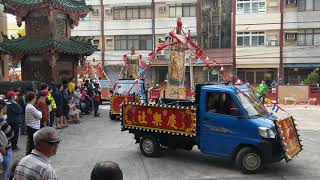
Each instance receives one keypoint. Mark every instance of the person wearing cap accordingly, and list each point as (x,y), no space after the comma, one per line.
(42,105)
(5,147)
(14,120)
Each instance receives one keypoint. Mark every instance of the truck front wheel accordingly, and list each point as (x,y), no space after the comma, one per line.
(112,116)
(149,146)
(249,160)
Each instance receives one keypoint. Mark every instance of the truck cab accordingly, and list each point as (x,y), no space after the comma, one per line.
(235,118)
(106,88)
(123,86)
(126,90)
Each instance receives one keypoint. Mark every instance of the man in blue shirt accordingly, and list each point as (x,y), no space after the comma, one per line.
(14,120)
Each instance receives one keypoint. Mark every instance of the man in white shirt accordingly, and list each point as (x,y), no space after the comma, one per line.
(36,166)
(32,120)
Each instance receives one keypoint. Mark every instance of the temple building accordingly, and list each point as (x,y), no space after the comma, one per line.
(47,52)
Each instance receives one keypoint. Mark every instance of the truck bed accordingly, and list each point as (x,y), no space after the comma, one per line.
(167,119)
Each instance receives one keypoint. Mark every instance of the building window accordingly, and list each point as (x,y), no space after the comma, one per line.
(133,13)
(120,43)
(119,13)
(308,37)
(145,42)
(184,10)
(95,12)
(188,10)
(109,42)
(142,42)
(251,6)
(96,43)
(308,5)
(145,12)
(133,41)
(255,76)
(250,39)
(127,13)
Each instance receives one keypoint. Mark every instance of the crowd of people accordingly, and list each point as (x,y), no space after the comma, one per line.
(39,114)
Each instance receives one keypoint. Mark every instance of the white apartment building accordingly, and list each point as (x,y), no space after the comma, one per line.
(258,24)
(130,23)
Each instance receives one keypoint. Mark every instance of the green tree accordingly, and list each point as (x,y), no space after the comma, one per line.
(312,78)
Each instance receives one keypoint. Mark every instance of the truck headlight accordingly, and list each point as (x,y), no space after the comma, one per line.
(266,132)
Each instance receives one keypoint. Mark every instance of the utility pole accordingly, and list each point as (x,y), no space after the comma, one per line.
(103,43)
(234,37)
(191,68)
(153,26)
(281,34)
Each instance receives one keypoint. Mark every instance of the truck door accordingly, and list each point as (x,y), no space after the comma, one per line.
(220,123)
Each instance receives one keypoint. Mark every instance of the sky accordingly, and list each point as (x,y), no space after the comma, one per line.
(11,18)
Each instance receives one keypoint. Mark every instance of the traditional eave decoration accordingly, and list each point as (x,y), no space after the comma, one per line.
(20,8)
(26,45)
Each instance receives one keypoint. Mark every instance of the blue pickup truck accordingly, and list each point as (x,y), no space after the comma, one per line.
(230,122)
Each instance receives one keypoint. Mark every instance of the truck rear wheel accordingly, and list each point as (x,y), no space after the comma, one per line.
(112,116)
(249,160)
(149,146)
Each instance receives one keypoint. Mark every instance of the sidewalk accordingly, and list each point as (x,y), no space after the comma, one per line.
(306,116)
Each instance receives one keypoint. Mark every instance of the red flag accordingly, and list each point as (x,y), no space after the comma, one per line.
(87,66)
(100,71)
(152,55)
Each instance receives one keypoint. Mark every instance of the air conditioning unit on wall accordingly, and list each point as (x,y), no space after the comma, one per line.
(108,10)
(291,2)
(272,43)
(291,36)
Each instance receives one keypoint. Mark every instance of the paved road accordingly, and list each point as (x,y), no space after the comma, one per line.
(99,139)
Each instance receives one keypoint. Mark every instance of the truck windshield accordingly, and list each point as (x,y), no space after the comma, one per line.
(123,88)
(251,104)
(105,84)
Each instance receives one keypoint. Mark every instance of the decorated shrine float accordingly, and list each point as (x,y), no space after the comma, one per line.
(130,87)
(225,120)
(94,70)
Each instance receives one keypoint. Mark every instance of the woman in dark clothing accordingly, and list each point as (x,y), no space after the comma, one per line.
(58,100)
(65,106)
(22,102)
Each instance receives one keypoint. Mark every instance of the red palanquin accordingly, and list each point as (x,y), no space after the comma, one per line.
(166,119)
